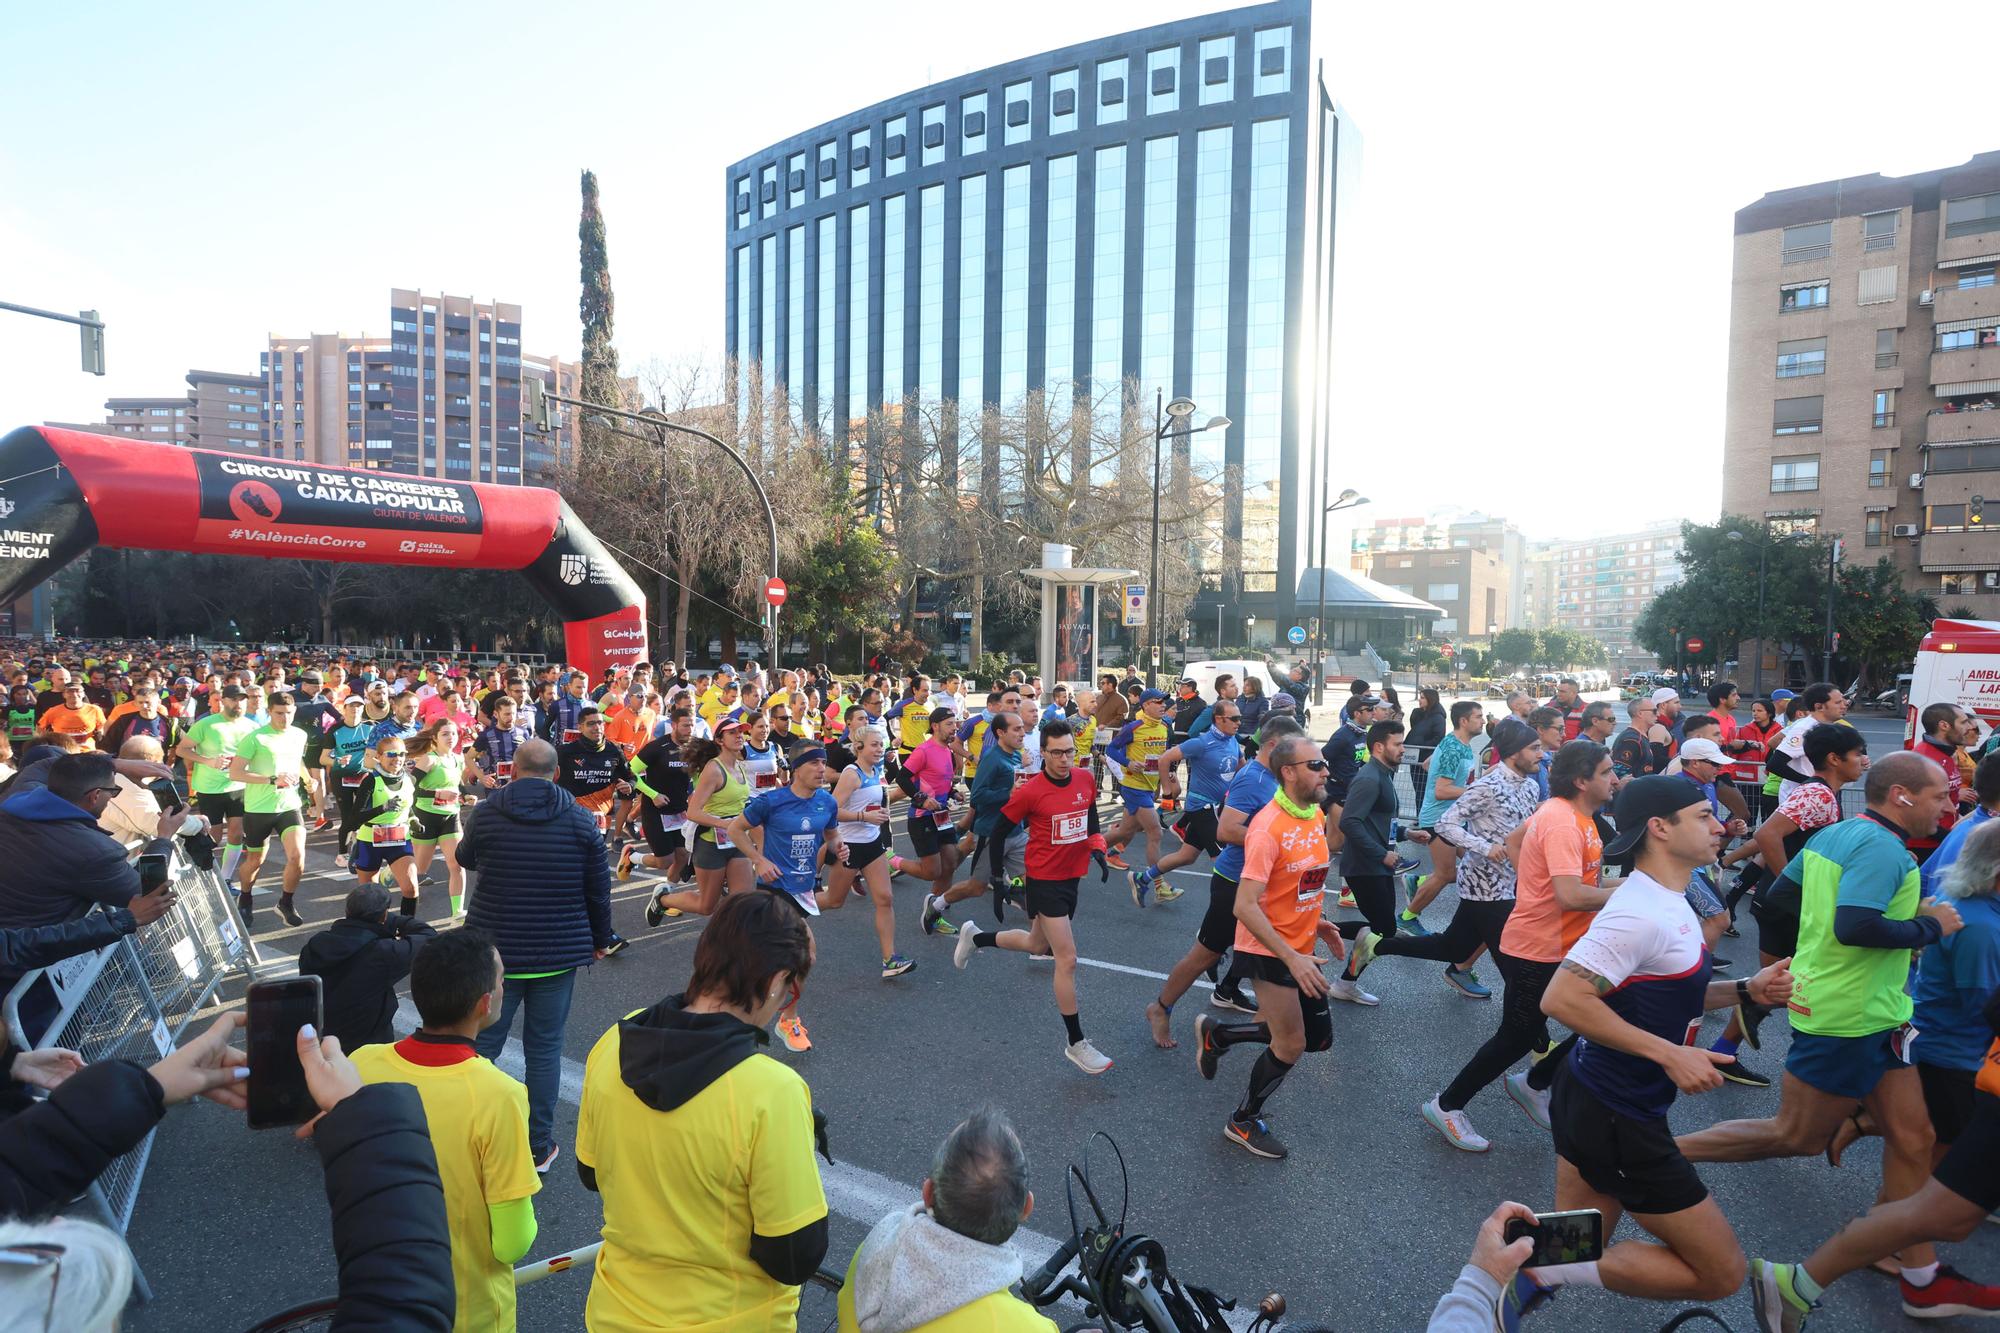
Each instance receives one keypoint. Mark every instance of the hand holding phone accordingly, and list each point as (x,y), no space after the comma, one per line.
(1573,1237)
(278,1093)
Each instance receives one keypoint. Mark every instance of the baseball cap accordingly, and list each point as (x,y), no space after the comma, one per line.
(1779,696)
(1147,696)
(352,701)
(1665,693)
(234,692)
(1365,701)
(313,676)
(1656,797)
(183,680)
(1282,703)
(942,715)
(1701,747)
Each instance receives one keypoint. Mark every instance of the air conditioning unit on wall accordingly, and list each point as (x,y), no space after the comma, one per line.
(1916,481)
(1905,530)
(1991,579)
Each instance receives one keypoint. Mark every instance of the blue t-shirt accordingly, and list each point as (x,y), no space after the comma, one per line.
(1212,758)
(1453,760)
(1249,791)
(794,831)
(1955,977)
(1948,850)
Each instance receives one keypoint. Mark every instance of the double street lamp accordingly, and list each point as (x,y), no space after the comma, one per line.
(1349,499)
(1169,419)
(1763,548)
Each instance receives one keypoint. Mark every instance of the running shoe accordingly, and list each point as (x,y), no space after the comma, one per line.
(1207,1055)
(1115,861)
(548,1159)
(895,864)
(1456,1127)
(1164,892)
(1142,886)
(1536,1104)
(1412,883)
(968,944)
(340,860)
(1340,988)
(625,862)
(1522,1298)
(1404,865)
(619,944)
(289,911)
(895,965)
(1347,899)
(1780,1308)
(1254,1137)
(656,910)
(1466,982)
(1364,950)
(1750,1016)
(1719,964)
(1087,1057)
(1413,925)
(933,916)
(1950,1293)
(245,910)
(319,822)
(1738,1072)
(1233,999)
(1729,932)
(793,1033)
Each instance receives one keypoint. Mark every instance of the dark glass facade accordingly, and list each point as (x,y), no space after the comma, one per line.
(1138,213)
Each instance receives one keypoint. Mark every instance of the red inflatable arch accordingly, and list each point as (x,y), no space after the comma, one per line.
(63,492)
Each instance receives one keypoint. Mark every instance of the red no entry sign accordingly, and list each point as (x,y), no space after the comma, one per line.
(774,592)
(1446,649)
(1696,645)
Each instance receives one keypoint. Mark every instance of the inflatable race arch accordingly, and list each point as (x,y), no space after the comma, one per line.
(63,492)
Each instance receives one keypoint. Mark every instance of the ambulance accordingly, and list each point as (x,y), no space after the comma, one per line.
(1958,662)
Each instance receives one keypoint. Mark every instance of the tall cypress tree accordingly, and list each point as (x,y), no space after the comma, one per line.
(600,358)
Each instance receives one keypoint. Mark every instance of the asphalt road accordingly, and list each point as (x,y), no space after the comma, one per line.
(1362,1228)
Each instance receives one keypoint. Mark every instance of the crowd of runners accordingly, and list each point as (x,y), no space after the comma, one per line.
(1596,852)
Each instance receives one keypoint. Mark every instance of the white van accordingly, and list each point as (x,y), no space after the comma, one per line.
(1958,662)
(1203,674)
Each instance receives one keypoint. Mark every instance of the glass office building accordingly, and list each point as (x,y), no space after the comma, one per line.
(1150,212)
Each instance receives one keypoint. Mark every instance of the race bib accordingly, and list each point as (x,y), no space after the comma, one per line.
(350,780)
(672,823)
(766,781)
(387,834)
(942,816)
(722,839)
(805,848)
(504,771)
(1150,764)
(443,796)
(570,734)
(1070,828)
(1312,883)
(603,820)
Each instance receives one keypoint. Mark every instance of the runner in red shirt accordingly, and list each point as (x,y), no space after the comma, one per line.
(1060,815)
(1945,728)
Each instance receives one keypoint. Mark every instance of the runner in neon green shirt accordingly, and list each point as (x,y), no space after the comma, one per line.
(269,763)
(208,746)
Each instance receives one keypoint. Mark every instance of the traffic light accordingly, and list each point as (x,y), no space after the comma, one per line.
(1975,511)
(93,343)
(537,404)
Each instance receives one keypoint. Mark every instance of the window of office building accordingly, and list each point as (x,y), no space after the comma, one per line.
(795,180)
(740,204)
(930,293)
(1017,111)
(1156,264)
(1803,295)
(1059,299)
(826,255)
(1163,80)
(1013,286)
(1216,70)
(767,191)
(1209,383)
(742,349)
(1798,473)
(1114,90)
(895,146)
(972,124)
(767,353)
(1811,240)
(1878,467)
(1801,356)
(1062,101)
(826,169)
(1264,361)
(795,321)
(858,352)
(858,155)
(1271,50)
(1970,217)
(971,325)
(1885,408)
(893,264)
(1107,291)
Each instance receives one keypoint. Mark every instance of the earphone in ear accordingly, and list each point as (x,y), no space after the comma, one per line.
(1906,800)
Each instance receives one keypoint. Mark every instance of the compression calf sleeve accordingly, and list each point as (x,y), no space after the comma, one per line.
(1073,1024)
(1235,1034)
(1265,1076)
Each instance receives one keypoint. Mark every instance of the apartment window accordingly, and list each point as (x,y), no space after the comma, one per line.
(1963,334)
(1873,535)
(1885,408)
(1958,585)
(1878,230)
(1877,286)
(1969,217)
(1885,349)
(1441,592)
(1878,467)
(1799,473)
(1801,356)
(1944,518)
(1976,275)
(1803,295)
(1979,457)
(1813,240)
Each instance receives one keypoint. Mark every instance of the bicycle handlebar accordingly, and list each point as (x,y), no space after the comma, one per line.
(1034,1286)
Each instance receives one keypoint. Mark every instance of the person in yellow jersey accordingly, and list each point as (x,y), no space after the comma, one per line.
(478,1117)
(1136,749)
(944,1265)
(713,710)
(702,1146)
(910,718)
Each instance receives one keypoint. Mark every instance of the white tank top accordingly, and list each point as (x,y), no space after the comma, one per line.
(762,769)
(869,793)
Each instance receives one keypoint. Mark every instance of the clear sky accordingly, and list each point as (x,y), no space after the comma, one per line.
(1542,237)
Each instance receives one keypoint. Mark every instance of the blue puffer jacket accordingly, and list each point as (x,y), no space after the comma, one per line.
(544,887)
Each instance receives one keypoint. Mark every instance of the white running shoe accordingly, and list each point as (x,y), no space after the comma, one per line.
(1456,1127)
(1340,988)
(1087,1057)
(1536,1104)
(340,860)
(968,944)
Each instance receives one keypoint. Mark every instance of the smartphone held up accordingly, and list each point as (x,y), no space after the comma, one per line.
(278,1009)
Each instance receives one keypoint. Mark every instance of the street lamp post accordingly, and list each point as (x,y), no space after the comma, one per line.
(1349,499)
(1168,419)
(1757,671)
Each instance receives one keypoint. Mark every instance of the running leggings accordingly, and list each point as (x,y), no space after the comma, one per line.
(1375,897)
(1473,924)
(1523,1029)
(349,801)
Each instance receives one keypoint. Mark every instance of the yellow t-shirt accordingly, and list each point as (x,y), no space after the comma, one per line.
(683,1191)
(479,1129)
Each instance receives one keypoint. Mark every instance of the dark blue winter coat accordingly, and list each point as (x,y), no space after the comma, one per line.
(544,886)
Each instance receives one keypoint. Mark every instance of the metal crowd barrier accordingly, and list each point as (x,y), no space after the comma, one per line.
(133,999)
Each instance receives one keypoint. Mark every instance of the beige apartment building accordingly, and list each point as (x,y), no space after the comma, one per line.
(219,411)
(1469,584)
(1864,371)
(1603,584)
(1474,616)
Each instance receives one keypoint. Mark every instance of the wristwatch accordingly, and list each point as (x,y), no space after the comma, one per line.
(1743,990)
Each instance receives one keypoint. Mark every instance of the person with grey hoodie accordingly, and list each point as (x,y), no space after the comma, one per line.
(944,1264)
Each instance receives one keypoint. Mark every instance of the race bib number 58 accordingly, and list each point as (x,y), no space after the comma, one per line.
(1071,828)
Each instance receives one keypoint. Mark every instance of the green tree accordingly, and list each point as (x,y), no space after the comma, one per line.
(600,358)
(1880,620)
(1716,599)
(1516,647)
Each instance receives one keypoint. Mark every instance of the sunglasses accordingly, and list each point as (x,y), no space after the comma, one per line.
(1316,765)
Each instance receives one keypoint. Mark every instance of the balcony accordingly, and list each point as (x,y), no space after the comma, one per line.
(1966,365)
(1945,427)
(1953,302)
(1942,551)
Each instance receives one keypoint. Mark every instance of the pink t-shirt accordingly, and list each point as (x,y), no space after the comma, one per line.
(931,765)
(1811,806)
